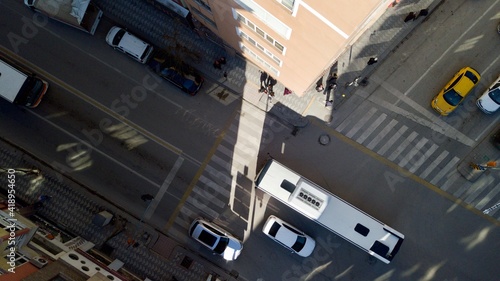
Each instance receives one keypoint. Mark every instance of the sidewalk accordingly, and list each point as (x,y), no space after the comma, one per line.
(72,207)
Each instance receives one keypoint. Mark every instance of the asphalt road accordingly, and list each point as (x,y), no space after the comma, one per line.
(175,134)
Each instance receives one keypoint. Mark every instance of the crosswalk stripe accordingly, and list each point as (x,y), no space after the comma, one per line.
(217,188)
(202,207)
(451,181)
(361,122)
(433,165)
(490,196)
(222,178)
(392,140)
(402,146)
(382,134)
(416,149)
(372,128)
(209,193)
(478,187)
(451,164)
(424,158)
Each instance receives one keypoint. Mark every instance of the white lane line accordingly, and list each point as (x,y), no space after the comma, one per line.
(392,140)
(382,134)
(451,164)
(163,189)
(94,148)
(402,146)
(433,165)
(437,125)
(490,196)
(372,128)
(416,149)
(449,48)
(424,158)
(361,122)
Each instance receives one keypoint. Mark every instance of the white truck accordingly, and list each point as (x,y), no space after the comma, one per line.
(81,14)
(330,211)
(20,87)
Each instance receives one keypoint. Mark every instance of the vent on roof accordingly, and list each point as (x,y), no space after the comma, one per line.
(309,199)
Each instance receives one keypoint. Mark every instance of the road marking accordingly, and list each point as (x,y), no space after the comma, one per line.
(436,125)
(434,163)
(424,158)
(398,169)
(392,140)
(198,174)
(382,134)
(447,50)
(402,146)
(361,122)
(444,171)
(372,128)
(163,189)
(416,149)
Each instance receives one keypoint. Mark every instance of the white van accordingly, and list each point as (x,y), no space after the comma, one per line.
(124,41)
(20,87)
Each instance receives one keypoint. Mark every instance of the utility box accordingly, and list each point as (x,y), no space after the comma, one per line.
(103,218)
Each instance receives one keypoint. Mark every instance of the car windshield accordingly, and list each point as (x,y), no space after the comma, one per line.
(299,244)
(471,76)
(495,95)
(219,249)
(207,238)
(118,37)
(452,97)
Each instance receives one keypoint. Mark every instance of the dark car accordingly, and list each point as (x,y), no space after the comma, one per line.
(176,73)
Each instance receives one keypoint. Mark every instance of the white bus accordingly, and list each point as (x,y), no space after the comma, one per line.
(330,211)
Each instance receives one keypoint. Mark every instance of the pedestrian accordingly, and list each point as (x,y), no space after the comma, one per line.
(270,81)
(147,197)
(319,86)
(409,17)
(217,64)
(263,77)
(225,75)
(372,60)
(222,60)
(332,82)
(287,92)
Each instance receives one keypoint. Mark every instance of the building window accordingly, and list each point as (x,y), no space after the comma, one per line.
(259,46)
(259,32)
(204,4)
(287,3)
(266,17)
(205,18)
(259,59)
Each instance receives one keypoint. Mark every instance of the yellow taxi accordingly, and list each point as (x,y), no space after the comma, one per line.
(455,91)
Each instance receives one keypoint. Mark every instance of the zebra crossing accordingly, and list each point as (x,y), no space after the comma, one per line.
(225,187)
(390,138)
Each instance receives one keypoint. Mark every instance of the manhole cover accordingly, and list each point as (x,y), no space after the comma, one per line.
(324,139)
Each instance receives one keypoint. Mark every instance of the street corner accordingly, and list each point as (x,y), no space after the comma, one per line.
(321,107)
(221,93)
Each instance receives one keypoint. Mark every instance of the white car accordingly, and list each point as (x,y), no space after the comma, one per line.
(289,236)
(489,102)
(124,41)
(216,239)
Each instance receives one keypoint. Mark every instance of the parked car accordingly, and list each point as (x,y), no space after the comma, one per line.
(216,239)
(129,44)
(289,236)
(455,91)
(176,72)
(489,102)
